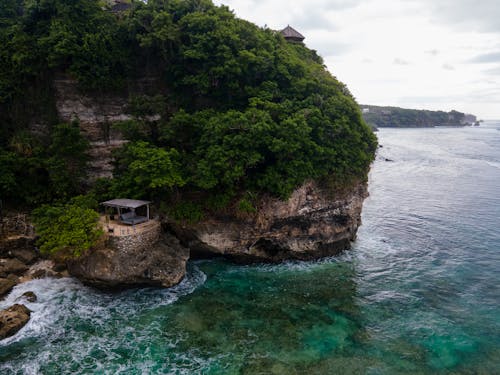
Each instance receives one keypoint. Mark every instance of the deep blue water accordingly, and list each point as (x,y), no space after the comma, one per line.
(419,293)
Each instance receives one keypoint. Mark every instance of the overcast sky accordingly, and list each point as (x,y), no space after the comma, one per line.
(428,54)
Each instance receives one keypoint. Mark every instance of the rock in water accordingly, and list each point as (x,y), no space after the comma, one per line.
(13,319)
(163,264)
(28,296)
(310,224)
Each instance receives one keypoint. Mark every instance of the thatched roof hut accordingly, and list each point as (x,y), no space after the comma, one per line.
(290,34)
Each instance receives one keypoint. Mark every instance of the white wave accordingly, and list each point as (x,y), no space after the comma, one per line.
(60,302)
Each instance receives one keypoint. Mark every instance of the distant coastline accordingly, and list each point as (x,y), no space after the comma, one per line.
(395,117)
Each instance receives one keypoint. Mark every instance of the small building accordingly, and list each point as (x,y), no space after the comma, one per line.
(129,226)
(127,211)
(128,221)
(292,35)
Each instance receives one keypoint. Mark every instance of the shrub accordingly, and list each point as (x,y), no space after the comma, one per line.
(67,230)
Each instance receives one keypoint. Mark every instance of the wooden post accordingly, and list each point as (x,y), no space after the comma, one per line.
(147,209)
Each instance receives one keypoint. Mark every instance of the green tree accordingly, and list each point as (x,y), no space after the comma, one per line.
(66,160)
(144,170)
(67,230)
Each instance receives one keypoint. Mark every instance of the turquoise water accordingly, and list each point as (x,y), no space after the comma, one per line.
(419,293)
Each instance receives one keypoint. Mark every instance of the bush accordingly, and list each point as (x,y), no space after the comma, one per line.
(67,230)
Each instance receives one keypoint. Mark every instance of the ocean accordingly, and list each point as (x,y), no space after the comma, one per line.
(419,292)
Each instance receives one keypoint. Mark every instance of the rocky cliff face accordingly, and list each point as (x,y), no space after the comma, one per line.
(162,264)
(309,225)
(95,114)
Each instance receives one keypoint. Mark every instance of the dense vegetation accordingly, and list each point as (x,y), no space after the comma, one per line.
(395,117)
(236,112)
(68,230)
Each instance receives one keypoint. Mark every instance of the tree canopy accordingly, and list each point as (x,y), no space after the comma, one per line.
(236,108)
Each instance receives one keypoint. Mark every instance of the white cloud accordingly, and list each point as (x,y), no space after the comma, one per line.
(470,15)
(398,61)
(416,53)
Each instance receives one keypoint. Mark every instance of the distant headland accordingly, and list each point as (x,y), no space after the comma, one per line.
(395,117)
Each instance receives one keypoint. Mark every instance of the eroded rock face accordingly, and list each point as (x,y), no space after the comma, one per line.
(13,319)
(96,114)
(163,264)
(17,253)
(309,225)
(6,285)
(12,266)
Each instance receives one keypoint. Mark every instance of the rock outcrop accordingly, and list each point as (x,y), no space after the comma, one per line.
(311,224)
(13,319)
(6,285)
(17,253)
(163,264)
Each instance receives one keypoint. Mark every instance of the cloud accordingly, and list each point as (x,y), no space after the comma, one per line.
(432,52)
(398,61)
(470,15)
(494,71)
(327,47)
(486,58)
(302,15)
(312,20)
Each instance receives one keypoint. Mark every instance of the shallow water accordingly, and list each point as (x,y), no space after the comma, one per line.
(419,293)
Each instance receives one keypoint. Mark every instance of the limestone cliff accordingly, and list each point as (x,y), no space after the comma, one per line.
(95,114)
(311,224)
(162,264)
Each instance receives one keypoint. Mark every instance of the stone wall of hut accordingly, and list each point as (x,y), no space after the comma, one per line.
(136,240)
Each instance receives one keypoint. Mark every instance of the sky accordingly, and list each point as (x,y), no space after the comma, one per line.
(423,54)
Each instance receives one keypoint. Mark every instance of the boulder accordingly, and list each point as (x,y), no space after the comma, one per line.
(28,296)
(6,285)
(163,264)
(25,255)
(13,319)
(12,266)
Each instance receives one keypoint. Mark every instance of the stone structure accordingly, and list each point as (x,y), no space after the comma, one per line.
(140,239)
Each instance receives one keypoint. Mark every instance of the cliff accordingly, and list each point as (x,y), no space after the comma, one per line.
(310,224)
(96,114)
(210,107)
(395,117)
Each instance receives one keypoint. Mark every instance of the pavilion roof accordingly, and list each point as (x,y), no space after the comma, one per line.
(290,32)
(125,203)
